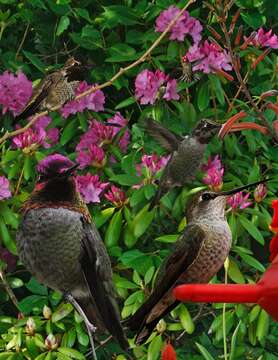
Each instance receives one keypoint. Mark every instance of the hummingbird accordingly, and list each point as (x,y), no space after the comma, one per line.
(186,153)
(197,256)
(55,89)
(60,245)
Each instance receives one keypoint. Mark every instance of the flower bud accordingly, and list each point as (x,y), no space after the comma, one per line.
(30,327)
(260,192)
(169,353)
(47,312)
(161,326)
(51,342)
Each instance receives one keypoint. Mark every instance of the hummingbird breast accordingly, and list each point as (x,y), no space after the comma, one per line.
(186,161)
(49,245)
(62,92)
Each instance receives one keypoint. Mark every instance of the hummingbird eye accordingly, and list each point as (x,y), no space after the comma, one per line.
(206,196)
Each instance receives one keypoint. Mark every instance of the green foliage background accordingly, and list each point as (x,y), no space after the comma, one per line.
(38,35)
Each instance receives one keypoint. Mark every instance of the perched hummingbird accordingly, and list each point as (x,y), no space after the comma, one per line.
(196,257)
(186,153)
(55,89)
(60,245)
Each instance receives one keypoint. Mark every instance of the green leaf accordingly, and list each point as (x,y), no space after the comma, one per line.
(254,313)
(204,352)
(6,238)
(34,60)
(35,287)
(154,348)
(149,275)
(234,342)
(167,238)
(250,260)
(68,132)
(102,217)
(217,87)
(142,221)
(28,167)
(27,304)
(234,273)
(125,179)
(73,354)
(186,319)
(125,103)
(251,229)
(62,311)
(203,97)
(63,25)
(113,232)
(262,327)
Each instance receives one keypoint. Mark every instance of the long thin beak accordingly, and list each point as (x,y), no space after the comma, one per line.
(69,171)
(238,189)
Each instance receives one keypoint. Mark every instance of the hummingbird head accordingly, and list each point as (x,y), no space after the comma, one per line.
(210,205)
(71,62)
(205,130)
(55,181)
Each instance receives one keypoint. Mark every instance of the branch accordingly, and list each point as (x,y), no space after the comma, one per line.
(8,289)
(122,71)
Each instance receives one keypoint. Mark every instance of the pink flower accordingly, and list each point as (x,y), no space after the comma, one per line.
(33,137)
(148,86)
(209,58)
(56,162)
(214,163)
(214,173)
(260,192)
(94,156)
(97,133)
(90,187)
(265,39)
(116,196)
(15,91)
(125,138)
(239,201)
(184,25)
(29,140)
(4,188)
(93,101)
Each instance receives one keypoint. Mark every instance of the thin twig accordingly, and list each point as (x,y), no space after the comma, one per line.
(22,41)
(8,135)
(8,289)
(239,91)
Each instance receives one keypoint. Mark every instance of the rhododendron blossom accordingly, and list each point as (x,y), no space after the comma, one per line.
(239,201)
(214,173)
(149,86)
(37,136)
(15,91)
(183,26)
(44,164)
(265,39)
(116,196)
(90,187)
(260,192)
(208,57)
(93,101)
(4,188)
(94,156)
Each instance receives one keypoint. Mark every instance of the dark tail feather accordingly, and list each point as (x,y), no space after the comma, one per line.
(147,328)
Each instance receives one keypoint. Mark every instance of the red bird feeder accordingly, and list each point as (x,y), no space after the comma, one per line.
(264,293)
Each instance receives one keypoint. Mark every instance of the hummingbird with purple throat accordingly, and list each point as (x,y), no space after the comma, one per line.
(197,256)
(60,245)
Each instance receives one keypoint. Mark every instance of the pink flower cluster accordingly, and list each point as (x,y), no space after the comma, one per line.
(15,91)
(93,101)
(214,173)
(183,26)
(90,187)
(89,149)
(37,136)
(4,188)
(208,57)
(149,86)
(116,196)
(149,166)
(265,39)
(239,201)
(58,161)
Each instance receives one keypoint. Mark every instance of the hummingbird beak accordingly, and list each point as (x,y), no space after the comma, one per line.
(69,171)
(238,189)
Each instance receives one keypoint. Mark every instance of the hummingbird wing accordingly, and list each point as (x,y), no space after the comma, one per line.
(40,93)
(162,135)
(185,252)
(96,267)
